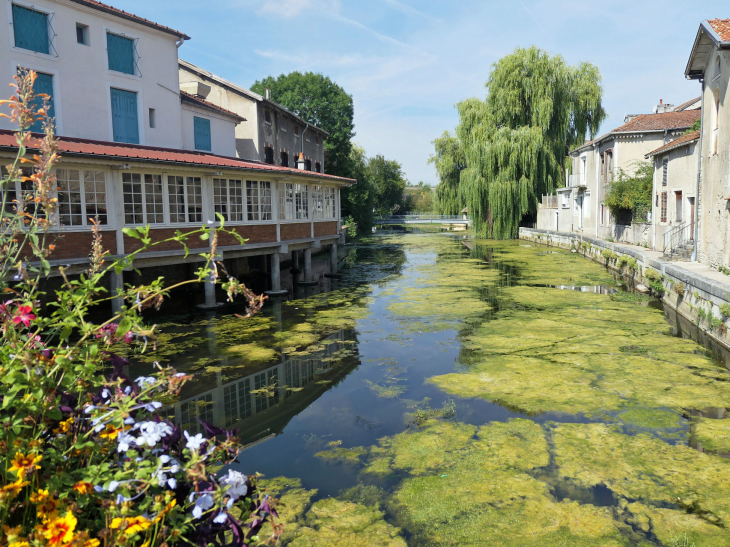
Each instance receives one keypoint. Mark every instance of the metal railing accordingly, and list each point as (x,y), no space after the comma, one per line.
(678,236)
(549,202)
(427,219)
(577,179)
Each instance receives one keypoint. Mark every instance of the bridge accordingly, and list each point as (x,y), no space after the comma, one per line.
(423,219)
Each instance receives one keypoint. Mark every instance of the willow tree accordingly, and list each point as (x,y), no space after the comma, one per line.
(449,161)
(537,108)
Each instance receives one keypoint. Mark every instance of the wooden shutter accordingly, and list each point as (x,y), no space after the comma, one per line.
(124,116)
(43,84)
(665,168)
(202,133)
(120,52)
(31,29)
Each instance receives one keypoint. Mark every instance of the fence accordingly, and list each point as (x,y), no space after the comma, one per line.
(678,236)
(549,202)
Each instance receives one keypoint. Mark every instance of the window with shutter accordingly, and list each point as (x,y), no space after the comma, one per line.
(31,29)
(120,52)
(43,85)
(665,168)
(202,133)
(124,116)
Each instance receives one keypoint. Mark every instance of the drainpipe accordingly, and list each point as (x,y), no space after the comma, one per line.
(695,257)
(302,138)
(180,42)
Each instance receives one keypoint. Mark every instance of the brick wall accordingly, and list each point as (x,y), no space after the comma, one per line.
(70,245)
(194,242)
(325,228)
(296,231)
(262,233)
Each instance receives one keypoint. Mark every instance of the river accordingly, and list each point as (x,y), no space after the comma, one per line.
(448,391)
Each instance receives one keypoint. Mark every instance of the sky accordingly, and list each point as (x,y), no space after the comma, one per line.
(406,63)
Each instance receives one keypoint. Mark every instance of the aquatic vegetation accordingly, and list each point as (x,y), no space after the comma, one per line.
(292,503)
(713,434)
(253,352)
(631,297)
(423,413)
(342,455)
(650,418)
(336,523)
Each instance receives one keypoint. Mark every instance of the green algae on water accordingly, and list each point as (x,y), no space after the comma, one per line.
(714,435)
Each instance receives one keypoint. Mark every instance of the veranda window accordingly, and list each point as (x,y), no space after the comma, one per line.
(317,202)
(301,201)
(81,197)
(143,203)
(330,209)
(185,195)
(228,198)
(258,200)
(286,201)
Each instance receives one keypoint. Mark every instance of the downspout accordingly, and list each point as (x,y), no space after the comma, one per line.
(695,257)
(302,139)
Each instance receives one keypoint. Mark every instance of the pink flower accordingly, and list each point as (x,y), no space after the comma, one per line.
(5,309)
(24,315)
(36,342)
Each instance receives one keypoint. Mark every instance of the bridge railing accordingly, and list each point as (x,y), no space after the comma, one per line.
(421,218)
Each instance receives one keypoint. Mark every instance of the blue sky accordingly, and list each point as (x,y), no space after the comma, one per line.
(407,62)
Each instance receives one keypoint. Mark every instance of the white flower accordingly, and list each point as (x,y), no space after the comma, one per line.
(129,421)
(172,483)
(105,393)
(124,440)
(151,407)
(142,380)
(236,482)
(164,458)
(203,503)
(194,443)
(113,486)
(220,518)
(151,432)
(89,409)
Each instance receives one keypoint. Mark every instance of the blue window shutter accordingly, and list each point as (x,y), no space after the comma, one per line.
(124,116)
(120,51)
(31,29)
(43,84)
(202,133)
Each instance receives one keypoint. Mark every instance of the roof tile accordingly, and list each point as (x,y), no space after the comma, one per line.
(130,16)
(722,27)
(676,143)
(185,96)
(71,146)
(659,122)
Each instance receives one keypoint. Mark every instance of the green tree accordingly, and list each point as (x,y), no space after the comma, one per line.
(358,201)
(320,102)
(449,161)
(419,199)
(632,192)
(538,107)
(389,180)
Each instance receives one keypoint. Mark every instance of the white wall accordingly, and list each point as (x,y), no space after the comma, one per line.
(82,79)
(222,130)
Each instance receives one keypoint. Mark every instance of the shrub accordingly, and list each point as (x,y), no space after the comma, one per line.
(633,265)
(725,309)
(606,254)
(714,321)
(84,450)
(679,288)
(652,275)
(724,270)
(622,261)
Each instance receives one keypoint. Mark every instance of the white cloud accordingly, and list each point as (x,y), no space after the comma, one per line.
(292,8)
(408,10)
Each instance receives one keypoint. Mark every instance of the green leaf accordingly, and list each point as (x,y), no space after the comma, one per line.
(131,232)
(54,414)
(124,325)
(205,236)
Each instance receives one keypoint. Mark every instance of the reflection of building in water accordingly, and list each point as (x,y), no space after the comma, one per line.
(266,400)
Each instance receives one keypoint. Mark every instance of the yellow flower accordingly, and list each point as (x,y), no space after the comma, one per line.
(82,539)
(64,427)
(47,509)
(164,512)
(109,432)
(14,488)
(131,525)
(40,496)
(60,530)
(21,543)
(83,487)
(11,534)
(23,465)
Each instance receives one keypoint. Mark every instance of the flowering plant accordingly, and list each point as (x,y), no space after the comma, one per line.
(86,455)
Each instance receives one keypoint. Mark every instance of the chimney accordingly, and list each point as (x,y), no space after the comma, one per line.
(661,108)
(301,164)
(661,101)
(268,93)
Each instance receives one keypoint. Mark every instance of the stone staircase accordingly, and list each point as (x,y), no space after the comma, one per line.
(679,242)
(682,252)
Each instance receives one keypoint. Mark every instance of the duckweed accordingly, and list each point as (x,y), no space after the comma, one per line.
(714,434)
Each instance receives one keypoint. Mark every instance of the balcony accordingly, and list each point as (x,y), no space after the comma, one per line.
(577,180)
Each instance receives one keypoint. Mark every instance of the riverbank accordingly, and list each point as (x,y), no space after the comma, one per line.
(694,290)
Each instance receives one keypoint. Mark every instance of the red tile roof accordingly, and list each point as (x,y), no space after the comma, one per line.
(660,122)
(74,147)
(682,106)
(722,27)
(130,17)
(189,97)
(676,143)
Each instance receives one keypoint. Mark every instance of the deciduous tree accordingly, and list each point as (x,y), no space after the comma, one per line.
(389,180)
(450,161)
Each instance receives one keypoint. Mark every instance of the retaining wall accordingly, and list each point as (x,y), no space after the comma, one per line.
(700,292)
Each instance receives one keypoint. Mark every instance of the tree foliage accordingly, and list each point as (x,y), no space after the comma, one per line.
(538,107)
(389,180)
(419,199)
(358,201)
(631,192)
(450,161)
(320,102)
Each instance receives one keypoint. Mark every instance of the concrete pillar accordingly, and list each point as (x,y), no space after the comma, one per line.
(307,265)
(295,259)
(210,292)
(117,285)
(333,258)
(275,272)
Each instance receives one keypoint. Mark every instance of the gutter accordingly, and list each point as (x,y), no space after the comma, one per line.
(694,256)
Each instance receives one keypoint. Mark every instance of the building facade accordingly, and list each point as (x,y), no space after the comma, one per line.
(136,150)
(272,134)
(709,63)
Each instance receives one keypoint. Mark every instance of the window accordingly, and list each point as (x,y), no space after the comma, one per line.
(665,170)
(43,85)
(82,34)
(202,133)
(142,199)
(664,207)
(296,130)
(25,189)
(124,116)
(318,167)
(308,164)
(30,28)
(228,199)
(678,206)
(269,154)
(284,159)
(120,53)
(301,202)
(153,122)
(330,208)
(267,116)
(323,202)
(583,169)
(718,67)
(316,140)
(564,199)
(81,197)
(185,195)
(286,201)
(258,200)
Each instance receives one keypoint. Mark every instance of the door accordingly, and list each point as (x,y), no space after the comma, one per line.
(579,203)
(678,199)
(691,202)
(124,116)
